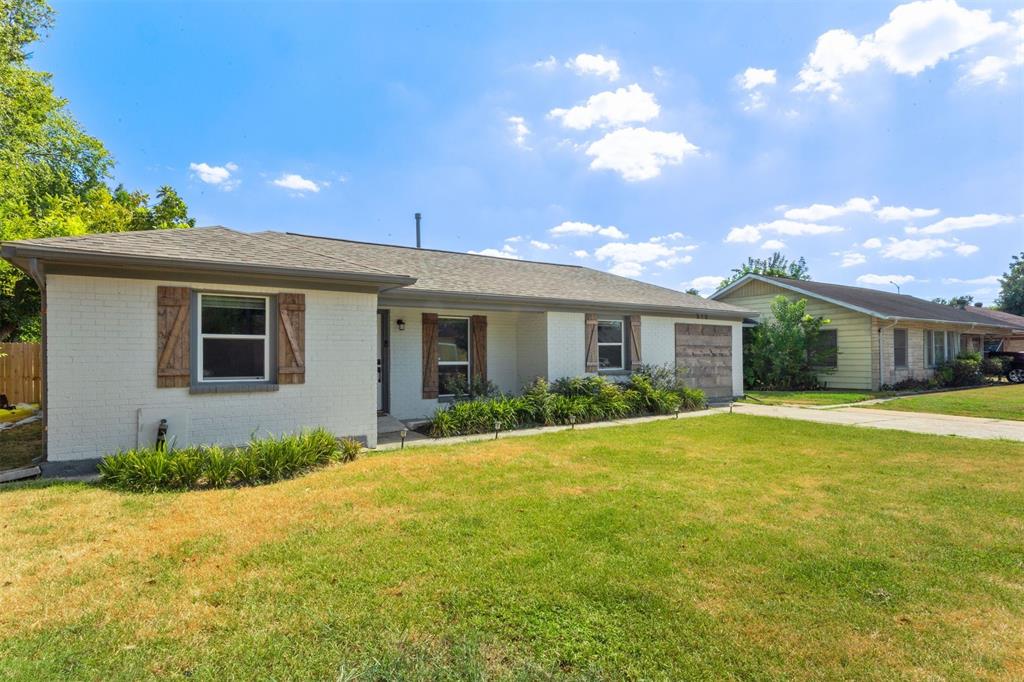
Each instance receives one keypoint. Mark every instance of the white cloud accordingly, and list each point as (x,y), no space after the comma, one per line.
(610,109)
(851,258)
(991,69)
(752,81)
(753,78)
(885,280)
(548,64)
(543,246)
(673,261)
(296,183)
(890,214)
(572,227)
(627,269)
(513,239)
(947,225)
(919,249)
(594,64)
(638,252)
(749,234)
(520,131)
(873,243)
(816,212)
(773,244)
(705,284)
(917,36)
(671,236)
(506,251)
(639,153)
(991,280)
(581,253)
(216,175)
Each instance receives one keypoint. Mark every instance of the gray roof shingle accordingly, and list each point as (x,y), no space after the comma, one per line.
(883,303)
(442,272)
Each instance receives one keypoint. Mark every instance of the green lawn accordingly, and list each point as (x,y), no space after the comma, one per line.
(727,546)
(810,397)
(995,402)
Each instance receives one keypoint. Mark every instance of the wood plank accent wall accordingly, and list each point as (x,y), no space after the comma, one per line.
(21,372)
(705,351)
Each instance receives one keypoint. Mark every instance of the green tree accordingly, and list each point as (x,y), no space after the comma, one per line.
(52,173)
(693,291)
(1011,293)
(785,351)
(775,265)
(956,301)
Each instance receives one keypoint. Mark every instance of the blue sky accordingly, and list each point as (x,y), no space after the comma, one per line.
(665,142)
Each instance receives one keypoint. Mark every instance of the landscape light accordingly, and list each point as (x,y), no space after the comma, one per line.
(403,433)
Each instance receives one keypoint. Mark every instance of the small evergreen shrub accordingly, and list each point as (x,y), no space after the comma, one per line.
(262,460)
(993,366)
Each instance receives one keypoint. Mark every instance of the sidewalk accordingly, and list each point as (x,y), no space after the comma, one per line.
(916,422)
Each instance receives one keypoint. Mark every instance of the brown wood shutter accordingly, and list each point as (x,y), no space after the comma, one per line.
(429,355)
(635,355)
(291,338)
(172,336)
(478,352)
(591,338)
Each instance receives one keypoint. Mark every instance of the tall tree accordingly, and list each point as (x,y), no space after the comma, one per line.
(775,265)
(1011,293)
(52,173)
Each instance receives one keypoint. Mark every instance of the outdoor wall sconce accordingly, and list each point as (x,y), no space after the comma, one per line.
(401,325)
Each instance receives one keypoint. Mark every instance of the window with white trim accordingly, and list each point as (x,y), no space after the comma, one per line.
(940,346)
(610,345)
(452,355)
(233,343)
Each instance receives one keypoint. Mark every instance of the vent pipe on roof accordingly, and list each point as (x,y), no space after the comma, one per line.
(418,216)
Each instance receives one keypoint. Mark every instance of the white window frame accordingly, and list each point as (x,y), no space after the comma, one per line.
(453,363)
(950,346)
(621,343)
(201,338)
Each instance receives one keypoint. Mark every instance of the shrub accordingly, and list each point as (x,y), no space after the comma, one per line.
(260,461)
(692,399)
(786,351)
(965,370)
(993,366)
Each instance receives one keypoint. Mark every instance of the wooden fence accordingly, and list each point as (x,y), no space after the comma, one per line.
(21,372)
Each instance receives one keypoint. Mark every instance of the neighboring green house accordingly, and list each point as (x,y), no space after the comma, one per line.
(882,337)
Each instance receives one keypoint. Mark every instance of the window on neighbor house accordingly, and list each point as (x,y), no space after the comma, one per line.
(610,344)
(232,343)
(899,347)
(940,346)
(453,355)
(827,345)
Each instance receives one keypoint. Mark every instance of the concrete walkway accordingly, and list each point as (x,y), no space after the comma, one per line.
(916,422)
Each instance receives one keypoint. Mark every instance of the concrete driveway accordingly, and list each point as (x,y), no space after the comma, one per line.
(917,422)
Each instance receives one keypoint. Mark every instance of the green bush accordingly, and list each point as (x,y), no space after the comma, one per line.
(579,399)
(993,366)
(262,460)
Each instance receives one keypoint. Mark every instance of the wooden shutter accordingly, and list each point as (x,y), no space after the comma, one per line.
(173,329)
(591,339)
(429,355)
(478,352)
(635,355)
(291,338)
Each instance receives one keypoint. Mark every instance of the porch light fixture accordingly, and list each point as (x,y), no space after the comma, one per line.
(401,325)
(403,433)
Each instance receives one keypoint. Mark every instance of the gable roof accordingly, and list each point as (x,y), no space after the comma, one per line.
(882,304)
(404,272)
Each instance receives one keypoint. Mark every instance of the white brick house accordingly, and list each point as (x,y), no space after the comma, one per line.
(221,334)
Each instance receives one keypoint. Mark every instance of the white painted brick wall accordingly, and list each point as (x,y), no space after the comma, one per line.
(531,347)
(567,345)
(101,367)
(407,357)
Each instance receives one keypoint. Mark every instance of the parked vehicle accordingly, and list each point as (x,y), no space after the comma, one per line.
(1014,366)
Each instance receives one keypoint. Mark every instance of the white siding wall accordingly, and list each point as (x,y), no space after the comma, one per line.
(101,368)
(407,400)
(531,347)
(658,341)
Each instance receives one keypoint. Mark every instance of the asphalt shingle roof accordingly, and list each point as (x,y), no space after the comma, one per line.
(887,304)
(445,272)
(1015,321)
